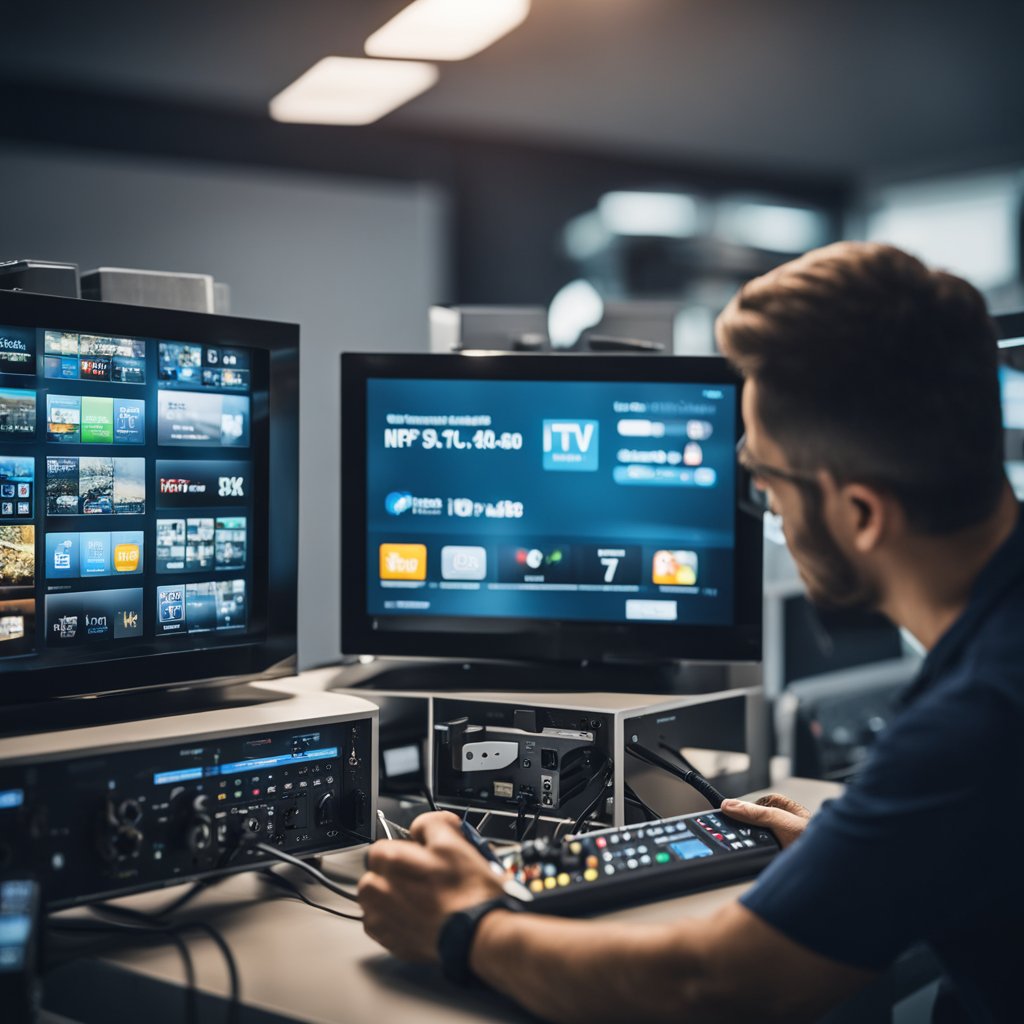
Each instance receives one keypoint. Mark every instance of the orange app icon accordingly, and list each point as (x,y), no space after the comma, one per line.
(126,557)
(403,561)
(675,568)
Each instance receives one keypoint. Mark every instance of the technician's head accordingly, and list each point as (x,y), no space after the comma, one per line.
(871,408)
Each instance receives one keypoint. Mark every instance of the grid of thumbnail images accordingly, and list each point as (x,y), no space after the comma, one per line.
(110,527)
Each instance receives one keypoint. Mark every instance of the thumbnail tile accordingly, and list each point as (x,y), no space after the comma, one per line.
(17,414)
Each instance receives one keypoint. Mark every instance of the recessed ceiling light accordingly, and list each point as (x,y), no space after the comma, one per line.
(446,29)
(351,90)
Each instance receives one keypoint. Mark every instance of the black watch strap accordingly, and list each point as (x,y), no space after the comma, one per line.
(455,939)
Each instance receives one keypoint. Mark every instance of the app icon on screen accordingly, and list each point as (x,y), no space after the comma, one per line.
(463,563)
(126,557)
(403,561)
(675,568)
(571,445)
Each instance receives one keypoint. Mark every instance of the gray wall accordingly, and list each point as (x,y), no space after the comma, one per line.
(355,263)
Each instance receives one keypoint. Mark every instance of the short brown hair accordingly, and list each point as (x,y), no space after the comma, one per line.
(872,366)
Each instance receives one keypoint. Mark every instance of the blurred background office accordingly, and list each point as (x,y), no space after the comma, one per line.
(622,165)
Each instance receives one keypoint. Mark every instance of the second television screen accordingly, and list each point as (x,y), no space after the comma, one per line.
(128,470)
(586,500)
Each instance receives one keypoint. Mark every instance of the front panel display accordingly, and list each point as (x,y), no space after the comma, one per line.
(129,469)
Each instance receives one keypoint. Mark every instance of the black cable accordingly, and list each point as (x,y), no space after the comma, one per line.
(685,762)
(314,873)
(153,921)
(693,779)
(633,797)
(158,918)
(190,993)
(606,766)
(520,818)
(571,792)
(160,914)
(592,806)
(430,798)
(294,890)
(532,827)
(234,1005)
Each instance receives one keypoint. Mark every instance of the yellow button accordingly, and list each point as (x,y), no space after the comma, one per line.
(576,848)
(563,879)
(590,875)
(536,885)
(549,882)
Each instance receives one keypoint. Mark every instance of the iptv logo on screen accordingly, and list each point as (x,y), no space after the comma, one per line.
(570,444)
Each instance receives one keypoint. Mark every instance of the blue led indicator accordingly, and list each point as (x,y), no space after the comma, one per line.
(10,798)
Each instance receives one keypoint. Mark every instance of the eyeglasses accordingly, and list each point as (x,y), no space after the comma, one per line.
(757,497)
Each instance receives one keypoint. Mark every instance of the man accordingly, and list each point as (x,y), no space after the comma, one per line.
(872,420)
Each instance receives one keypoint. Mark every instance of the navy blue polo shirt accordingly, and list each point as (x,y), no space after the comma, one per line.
(926,844)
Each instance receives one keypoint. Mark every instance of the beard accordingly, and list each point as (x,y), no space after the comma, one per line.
(832,581)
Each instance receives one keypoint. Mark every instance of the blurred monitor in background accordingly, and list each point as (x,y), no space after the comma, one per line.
(1011,387)
(969,225)
(659,265)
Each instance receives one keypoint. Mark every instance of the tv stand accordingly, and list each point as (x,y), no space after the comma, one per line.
(128,706)
(442,675)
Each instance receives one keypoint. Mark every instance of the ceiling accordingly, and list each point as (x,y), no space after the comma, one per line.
(855,89)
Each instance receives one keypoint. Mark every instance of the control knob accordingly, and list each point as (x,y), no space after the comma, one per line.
(193,821)
(325,810)
(117,839)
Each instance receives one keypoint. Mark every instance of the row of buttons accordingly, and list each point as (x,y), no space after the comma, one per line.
(270,791)
(667,828)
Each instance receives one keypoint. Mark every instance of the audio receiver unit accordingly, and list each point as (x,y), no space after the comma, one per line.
(105,811)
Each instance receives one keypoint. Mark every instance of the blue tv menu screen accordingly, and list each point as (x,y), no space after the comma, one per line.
(555,500)
(126,491)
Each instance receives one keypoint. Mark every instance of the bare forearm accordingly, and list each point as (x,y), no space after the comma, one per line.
(570,971)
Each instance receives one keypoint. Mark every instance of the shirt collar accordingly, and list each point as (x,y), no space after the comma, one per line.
(1004,568)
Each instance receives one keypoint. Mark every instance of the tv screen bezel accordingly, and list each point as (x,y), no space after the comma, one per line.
(268,656)
(531,639)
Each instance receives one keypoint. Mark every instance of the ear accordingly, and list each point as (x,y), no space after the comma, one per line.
(866,516)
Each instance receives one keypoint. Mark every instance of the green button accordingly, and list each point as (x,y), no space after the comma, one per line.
(663,857)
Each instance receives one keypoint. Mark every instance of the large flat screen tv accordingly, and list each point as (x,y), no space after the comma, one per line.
(148,497)
(545,507)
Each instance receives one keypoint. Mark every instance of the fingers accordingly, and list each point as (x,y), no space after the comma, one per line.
(429,827)
(756,812)
(784,803)
(787,825)
(752,814)
(398,857)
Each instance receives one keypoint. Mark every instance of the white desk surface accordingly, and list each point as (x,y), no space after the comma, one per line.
(310,967)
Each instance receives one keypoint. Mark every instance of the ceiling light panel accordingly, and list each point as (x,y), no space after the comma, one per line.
(446,29)
(351,90)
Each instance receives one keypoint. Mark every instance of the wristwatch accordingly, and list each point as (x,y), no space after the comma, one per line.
(456,937)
